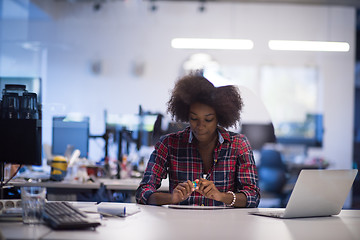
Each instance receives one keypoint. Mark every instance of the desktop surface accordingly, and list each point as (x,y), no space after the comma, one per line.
(160,223)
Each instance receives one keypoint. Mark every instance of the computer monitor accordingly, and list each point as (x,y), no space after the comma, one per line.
(258,134)
(20,139)
(308,133)
(67,132)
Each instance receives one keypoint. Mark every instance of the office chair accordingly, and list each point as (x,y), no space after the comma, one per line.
(272,175)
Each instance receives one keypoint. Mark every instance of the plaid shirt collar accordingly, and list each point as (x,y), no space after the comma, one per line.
(222,135)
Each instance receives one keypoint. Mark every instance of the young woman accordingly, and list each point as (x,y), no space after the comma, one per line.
(206,164)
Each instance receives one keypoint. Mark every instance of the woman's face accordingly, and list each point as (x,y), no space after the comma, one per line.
(203,121)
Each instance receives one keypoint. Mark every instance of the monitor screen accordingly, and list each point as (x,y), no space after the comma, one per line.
(308,133)
(20,141)
(20,138)
(258,134)
(70,133)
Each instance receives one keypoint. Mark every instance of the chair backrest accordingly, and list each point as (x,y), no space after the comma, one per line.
(272,171)
(271,158)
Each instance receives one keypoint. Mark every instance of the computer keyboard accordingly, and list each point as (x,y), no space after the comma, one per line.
(63,215)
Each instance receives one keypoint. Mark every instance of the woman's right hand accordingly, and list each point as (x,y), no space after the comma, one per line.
(182,191)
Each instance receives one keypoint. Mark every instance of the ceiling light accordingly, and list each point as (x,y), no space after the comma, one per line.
(205,43)
(309,46)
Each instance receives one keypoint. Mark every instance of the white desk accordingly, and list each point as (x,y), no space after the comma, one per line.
(17,230)
(162,223)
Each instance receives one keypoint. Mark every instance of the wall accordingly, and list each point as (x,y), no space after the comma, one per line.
(123,35)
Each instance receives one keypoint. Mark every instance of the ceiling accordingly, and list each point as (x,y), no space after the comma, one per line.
(353,3)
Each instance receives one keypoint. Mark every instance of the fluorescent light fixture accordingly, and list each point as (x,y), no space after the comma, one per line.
(206,43)
(309,46)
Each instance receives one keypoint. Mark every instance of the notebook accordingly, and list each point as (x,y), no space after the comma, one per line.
(316,193)
(117,209)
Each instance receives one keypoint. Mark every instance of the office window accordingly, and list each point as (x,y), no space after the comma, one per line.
(292,96)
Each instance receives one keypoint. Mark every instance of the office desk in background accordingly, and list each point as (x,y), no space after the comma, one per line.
(67,191)
(162,223)
(60,191)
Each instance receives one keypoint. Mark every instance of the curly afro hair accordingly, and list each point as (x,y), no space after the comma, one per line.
(193,88)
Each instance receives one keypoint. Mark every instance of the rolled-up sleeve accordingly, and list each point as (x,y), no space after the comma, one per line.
(248,178)
(156,170)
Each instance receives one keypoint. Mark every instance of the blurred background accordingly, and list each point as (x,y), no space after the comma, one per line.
(103,70)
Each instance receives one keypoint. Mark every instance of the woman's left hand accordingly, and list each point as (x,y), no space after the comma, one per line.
(208,189)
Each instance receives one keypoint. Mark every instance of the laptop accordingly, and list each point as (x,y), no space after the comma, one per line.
(316,193)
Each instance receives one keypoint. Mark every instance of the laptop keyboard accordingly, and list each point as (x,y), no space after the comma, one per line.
(63,215)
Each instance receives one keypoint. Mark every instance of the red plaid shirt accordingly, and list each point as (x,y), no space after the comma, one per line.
(176,155)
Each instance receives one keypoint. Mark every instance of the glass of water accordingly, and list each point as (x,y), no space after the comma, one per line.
(33,201)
